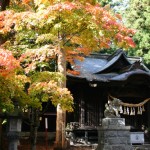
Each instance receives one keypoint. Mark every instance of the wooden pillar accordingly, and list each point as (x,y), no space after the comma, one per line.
(82,112)
(148,114)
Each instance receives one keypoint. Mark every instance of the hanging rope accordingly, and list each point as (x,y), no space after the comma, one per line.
(130,104)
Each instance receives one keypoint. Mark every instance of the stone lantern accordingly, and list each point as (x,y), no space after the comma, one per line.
(14,128)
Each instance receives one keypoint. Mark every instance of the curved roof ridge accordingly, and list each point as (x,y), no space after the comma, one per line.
(118,52)
(112,59)
(127,75)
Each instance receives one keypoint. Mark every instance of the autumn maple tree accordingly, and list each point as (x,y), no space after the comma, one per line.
(12,85)
(10,91)
(42,87)
(67,29)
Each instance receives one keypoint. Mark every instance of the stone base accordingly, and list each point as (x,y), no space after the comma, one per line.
(114,135)
(114,147)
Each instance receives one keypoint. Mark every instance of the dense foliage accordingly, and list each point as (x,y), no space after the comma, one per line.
(35,31)
(137,16)
(29,90)
(11,84)
(77,24)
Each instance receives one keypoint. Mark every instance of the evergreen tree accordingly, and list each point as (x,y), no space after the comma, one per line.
(137,16)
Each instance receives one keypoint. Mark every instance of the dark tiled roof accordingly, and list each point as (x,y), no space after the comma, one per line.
(116,67)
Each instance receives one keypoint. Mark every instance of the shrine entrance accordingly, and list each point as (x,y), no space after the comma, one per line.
(103,77)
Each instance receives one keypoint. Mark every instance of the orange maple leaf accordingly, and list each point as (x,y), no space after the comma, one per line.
(73,72)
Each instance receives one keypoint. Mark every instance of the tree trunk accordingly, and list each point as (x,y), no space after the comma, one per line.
(61,115)
(34,128)
(34,138)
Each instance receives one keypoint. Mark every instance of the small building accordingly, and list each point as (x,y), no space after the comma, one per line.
(102,77)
